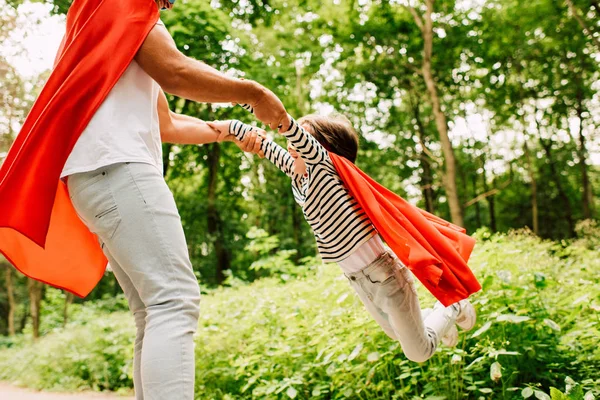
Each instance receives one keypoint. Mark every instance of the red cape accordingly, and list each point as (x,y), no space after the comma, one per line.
(40,233)
(435,250)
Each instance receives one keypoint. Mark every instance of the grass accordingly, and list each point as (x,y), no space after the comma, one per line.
(309,337)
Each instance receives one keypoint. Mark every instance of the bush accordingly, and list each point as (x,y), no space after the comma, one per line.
(310,337)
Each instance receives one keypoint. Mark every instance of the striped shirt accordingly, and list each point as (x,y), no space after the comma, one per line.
(339,223)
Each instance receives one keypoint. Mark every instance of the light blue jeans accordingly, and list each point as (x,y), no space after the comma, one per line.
(387,290)
(131,209)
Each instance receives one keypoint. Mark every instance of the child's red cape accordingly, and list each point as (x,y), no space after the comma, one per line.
(435,250)
(40,233)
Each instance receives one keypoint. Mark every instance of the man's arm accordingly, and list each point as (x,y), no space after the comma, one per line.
(194,80)
(182,129)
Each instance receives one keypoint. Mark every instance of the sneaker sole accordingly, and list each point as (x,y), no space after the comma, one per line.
(468,321)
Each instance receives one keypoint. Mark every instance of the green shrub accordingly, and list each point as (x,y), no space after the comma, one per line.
(539,322)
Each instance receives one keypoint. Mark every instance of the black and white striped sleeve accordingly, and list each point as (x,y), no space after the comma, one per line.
(280,157)
(273,152)
(305,144)
(239,129)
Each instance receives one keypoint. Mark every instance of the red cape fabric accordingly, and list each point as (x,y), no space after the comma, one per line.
(40,233)
(435,250)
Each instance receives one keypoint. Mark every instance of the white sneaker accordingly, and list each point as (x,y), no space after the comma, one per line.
(450,339)
(466,315)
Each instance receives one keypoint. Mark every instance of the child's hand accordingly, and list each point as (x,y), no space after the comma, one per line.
(252,140)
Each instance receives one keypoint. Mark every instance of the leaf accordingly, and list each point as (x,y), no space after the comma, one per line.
(487,282)
(372,357)
(541,395)
(575,393)
(513,318)
(355,352)
(539,280)
(481,330)
(552,324)
(505,276)
(527,392)
(485,390)
(291,392)
(496,371)
(556,394)
(589,396)
(342,298)
(475,361)
(404,375)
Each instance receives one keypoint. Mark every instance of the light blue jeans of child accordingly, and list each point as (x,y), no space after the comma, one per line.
(387,290)
(131,209)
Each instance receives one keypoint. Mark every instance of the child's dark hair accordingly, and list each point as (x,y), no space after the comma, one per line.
(334,132)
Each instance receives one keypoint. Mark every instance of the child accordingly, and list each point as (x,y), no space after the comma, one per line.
(345,234)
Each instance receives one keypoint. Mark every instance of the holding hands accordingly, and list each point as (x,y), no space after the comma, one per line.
(249,142)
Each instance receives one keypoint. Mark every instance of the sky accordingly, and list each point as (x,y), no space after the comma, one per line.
(31,48)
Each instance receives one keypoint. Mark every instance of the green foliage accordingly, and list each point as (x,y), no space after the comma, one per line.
(310,337)
(573,391)
(95,356)
(269,261)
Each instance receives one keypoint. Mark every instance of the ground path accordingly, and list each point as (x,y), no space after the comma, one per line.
(8,392)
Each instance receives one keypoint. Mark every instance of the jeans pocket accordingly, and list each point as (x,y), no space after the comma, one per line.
(94,202)
(382,275)
(107,222)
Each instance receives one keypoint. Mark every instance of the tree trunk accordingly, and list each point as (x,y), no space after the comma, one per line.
(426,175)
(449,178)
(10,294)
(296,221)
(68,300)
(492,207)
(582,155)
(214,220)
(23,320)
(534,203)
(477,207)
(562,195)
(35,299)
(490,199)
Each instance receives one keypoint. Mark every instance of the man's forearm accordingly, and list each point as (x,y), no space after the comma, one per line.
(197,81)
(189,130)
(184,77)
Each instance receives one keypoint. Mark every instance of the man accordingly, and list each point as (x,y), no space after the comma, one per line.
(115,180)
(99,123)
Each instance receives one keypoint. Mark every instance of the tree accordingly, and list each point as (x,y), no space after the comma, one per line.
(425,24)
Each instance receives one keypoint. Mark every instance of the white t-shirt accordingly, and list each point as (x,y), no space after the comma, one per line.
(363,256)
(124,129)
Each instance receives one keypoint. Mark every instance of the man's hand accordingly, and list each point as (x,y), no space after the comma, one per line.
(223,128)
(270,110)
(252,140)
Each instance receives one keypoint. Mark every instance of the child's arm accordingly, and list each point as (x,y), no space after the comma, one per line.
(305,144)
(271,150)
